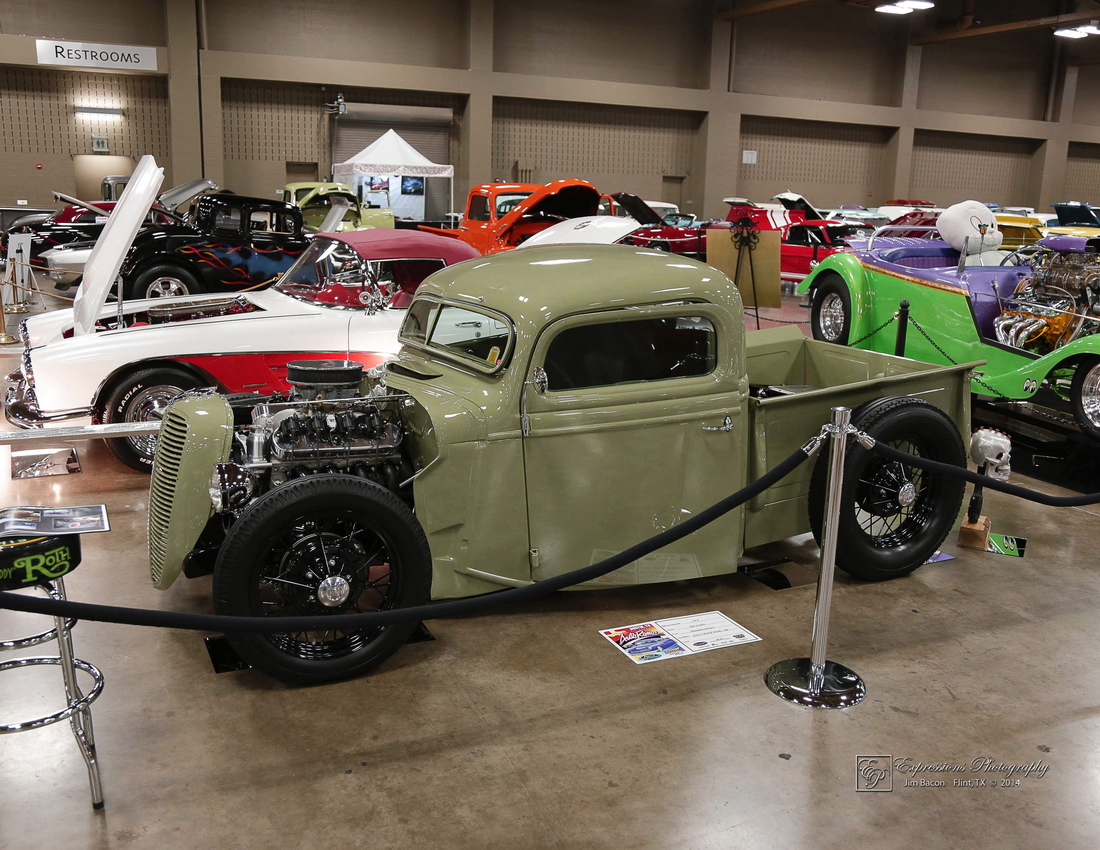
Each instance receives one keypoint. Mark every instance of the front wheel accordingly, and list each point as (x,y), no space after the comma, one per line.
(328,544)
(1085,395)
(831,310)
(139,397)
(893,516)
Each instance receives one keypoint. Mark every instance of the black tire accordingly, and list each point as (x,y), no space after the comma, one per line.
(381,559)
(137,398)
(887,529)
(831,310)
(660,245)
(1085,395)
(162,281)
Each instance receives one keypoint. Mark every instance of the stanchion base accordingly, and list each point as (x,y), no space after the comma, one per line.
(8,339)
(17,308)
(790,680)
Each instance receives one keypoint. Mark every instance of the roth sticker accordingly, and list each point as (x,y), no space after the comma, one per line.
(1004,544)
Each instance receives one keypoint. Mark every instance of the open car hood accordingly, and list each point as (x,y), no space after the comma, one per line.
(177,196)
(76,202)
(796,202)
(118,234)
(565,198)
(639,210)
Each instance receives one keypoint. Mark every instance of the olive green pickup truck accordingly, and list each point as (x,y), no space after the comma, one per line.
(548,408)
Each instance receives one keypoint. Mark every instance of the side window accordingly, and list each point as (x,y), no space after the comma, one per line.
(227,220)
(259,221)
(479,208)
(630,352)
(797,236)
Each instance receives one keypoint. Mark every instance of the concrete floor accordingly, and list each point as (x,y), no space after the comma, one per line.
(525,728)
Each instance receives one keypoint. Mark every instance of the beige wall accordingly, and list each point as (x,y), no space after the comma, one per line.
(625,92)
(1083,173)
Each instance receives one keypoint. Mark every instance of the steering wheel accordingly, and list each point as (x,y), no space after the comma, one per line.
(1020,256)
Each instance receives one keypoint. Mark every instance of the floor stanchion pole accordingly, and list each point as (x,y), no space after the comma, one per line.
(814,681)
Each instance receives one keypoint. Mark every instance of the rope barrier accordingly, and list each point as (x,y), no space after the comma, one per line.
(437,610)
(984,480)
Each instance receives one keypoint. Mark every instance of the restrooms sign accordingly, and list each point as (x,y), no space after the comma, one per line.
(85,55)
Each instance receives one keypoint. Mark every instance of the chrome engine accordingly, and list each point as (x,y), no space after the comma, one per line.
(322,426)
(1059,303)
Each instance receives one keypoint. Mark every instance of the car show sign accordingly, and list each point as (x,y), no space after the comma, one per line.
(87,55)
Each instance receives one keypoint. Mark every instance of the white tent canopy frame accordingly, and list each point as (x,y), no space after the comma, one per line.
(391,154)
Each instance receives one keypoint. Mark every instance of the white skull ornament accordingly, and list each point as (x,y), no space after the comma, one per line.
(993,449)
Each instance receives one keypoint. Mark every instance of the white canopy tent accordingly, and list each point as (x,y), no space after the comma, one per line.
(391,154)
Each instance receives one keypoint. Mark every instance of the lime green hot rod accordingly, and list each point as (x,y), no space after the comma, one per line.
(548,407)
(1033,316)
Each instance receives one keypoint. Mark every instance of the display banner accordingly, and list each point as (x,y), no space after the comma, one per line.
(86,55)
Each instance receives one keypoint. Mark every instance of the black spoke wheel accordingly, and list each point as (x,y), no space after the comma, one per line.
(329,544)
(831,310)
(893,516)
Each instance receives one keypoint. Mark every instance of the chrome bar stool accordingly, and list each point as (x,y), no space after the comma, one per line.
(41,562)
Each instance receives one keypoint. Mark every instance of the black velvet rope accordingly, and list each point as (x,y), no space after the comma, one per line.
(437,610)
(985,480)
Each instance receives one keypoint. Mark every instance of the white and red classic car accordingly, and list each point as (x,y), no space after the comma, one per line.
(343,296)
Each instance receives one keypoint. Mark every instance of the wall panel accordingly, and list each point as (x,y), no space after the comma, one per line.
(828,163)
(826,51)
(1082,173)
(103,21)
(618,148)
(268,124)
(953,167)
(1086,105)
(433,33)
(1005,75)
(653,42)
(38,123)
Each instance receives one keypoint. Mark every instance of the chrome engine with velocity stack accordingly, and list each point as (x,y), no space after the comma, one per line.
(1059,302)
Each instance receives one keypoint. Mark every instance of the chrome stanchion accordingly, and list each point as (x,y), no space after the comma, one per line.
(19,303)
(814,681)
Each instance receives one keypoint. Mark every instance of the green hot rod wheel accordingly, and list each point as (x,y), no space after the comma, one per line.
(329,544)
(831,310)
(1085,395)
(893,516)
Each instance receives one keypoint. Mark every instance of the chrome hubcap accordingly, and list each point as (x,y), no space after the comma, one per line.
(907,494)
(1090,395)
(831,317)
(146,405)
(333,591)
(165,287)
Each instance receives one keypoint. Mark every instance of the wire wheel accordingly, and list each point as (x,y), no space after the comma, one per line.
(1085,395)
(141,397)
(894,501)
(327,544)
(325,564)
(893,516)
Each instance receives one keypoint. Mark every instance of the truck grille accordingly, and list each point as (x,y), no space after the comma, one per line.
(162,488)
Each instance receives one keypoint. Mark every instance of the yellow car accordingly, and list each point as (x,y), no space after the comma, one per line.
(315,201)
(1019,230)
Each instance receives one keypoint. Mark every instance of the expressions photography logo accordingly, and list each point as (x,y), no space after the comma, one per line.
(874,773)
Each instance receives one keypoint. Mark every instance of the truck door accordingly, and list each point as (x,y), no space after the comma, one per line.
(634,422)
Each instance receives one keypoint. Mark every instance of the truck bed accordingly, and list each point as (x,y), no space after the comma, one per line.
(795,382)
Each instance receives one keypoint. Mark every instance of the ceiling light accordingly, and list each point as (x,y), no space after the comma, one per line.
(1090,28)
(915,4)
(893,9)
(98,110)
(1071,33)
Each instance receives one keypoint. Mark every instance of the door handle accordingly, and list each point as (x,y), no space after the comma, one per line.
(726,426)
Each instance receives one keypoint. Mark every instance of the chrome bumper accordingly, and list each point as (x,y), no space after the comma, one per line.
(21,408)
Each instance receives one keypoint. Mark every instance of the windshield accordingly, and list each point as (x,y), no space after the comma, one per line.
(328,272)
(506,201)
(475,337)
